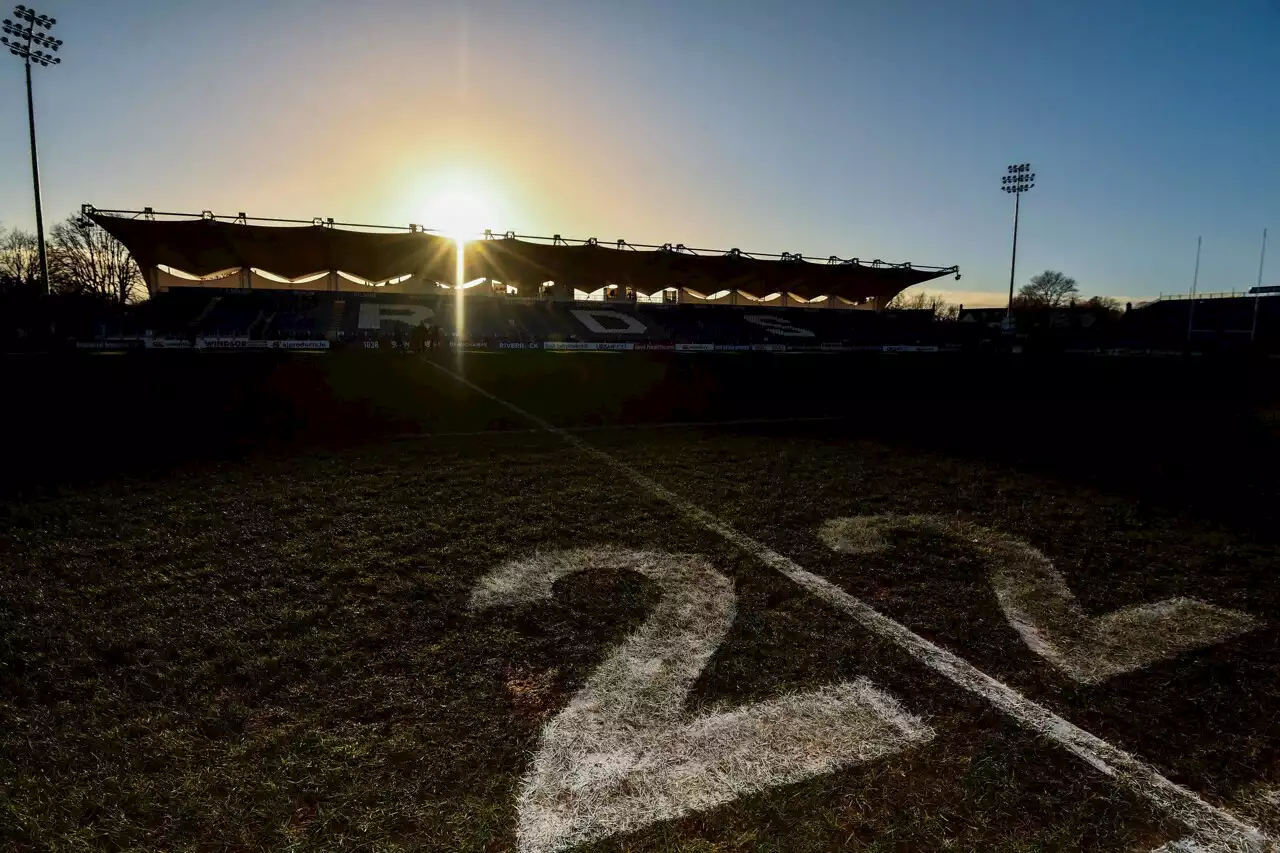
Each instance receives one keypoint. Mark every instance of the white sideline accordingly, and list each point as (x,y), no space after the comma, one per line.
(1182,845)
(1215,829)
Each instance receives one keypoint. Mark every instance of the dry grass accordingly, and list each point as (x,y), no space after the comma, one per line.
(625,753)
(278,654)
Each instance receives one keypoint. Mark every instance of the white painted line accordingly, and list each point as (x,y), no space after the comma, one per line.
(426,436)
(1214,826)
(626,753)
(1039,605)
(1183,845)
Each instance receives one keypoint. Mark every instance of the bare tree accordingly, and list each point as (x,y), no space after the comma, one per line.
(83,258)
(19,260)
(1049,289)
(922,300)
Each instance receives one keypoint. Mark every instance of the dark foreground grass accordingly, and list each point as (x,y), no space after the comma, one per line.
(1207,718)
(275,652)
(279,656)
(1200,432)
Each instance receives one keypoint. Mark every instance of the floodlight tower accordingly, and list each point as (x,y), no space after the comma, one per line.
(1017,180)
(32,43)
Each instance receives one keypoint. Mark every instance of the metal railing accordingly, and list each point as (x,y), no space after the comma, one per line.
(1224,294)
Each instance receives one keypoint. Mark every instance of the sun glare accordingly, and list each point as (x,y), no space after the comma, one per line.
(459,214)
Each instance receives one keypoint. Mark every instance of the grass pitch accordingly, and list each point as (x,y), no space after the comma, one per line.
(273,649)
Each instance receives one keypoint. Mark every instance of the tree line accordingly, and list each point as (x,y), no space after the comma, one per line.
(83,260)
(1048,290)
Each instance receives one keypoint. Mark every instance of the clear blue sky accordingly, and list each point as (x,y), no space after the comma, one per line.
(876,129)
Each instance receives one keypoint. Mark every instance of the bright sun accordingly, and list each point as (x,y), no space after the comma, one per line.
(460,214)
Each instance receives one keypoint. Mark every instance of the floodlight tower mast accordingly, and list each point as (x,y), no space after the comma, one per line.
(30,31)
(1018,179)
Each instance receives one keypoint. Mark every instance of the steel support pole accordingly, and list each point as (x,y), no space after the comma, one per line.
(35,180)
(1195,280)
(1013,262)
(1257,293)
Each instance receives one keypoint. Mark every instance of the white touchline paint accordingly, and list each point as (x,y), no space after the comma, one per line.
(1220,830)
(1255,799)
(1183,845)
(626,753)
(1039,605)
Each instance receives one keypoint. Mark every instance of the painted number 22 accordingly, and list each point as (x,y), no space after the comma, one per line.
(626,753)
(1038,604)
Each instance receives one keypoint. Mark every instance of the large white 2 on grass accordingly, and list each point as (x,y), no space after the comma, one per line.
(626,752)
(1038,604)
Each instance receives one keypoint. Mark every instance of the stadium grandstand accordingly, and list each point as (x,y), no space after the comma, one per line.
(247,281)
(320,256)
(241,282)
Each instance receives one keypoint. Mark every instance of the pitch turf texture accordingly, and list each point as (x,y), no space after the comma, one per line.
(234,608)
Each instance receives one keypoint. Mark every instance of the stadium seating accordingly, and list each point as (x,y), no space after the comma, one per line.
(495,319)
(344,317)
